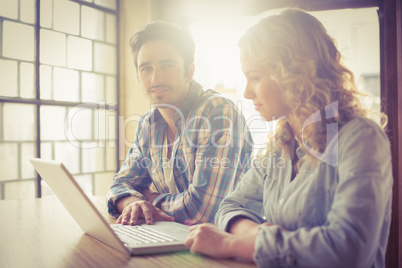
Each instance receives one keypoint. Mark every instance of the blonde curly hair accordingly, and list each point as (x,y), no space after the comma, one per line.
(307,66)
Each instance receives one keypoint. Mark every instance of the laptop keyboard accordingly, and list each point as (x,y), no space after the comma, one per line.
(137,235)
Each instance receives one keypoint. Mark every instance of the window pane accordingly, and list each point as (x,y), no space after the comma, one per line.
(357,36)
(18,41)
(80,123)
(65,85)
(111,124)
(85,182)
(111,28)
(92,87)
(1,120)
(19,122)
(100,126)
(102,183)
(27,80)
(46,150)
(9,9)
(52,48)
(8,78)
(66,16)
(107,3)
(111,156)
(27,11)
(105,125)
(27,151)
(19,190)
(8,161)
(52,123)
(46,14)
(45,82)
(93,159)
(111,92)
(93,23)
(105,58)
(79,53)
(69,155)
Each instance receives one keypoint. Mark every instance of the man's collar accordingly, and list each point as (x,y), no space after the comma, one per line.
(181,113)
(193,93)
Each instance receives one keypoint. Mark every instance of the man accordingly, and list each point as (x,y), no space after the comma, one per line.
(190,151)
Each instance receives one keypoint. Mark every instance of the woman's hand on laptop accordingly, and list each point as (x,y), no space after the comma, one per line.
(139,208)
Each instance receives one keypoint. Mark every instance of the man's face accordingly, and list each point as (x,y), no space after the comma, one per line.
(162,73)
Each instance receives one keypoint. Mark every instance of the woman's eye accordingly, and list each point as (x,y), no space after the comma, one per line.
(253,78)
(167,66)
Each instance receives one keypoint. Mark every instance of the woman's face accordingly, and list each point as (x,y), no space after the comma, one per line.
(265,94)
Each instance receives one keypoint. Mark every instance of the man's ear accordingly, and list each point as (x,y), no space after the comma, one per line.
(189,74)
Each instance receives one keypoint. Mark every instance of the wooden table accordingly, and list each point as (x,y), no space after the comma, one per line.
(41,233)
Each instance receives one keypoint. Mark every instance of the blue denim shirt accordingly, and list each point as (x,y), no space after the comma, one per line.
(330,215)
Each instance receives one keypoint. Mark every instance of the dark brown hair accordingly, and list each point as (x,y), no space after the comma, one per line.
(166,31)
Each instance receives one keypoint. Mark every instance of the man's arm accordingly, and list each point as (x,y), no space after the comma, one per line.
(129,195)
(130,191)
(133,208)
(222,146)
(148,195)
(128,183)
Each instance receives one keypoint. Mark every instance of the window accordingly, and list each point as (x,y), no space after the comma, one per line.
(58,92)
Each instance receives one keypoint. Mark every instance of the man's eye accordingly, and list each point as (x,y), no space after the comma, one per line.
(254,78)
(167,66)
(146,69)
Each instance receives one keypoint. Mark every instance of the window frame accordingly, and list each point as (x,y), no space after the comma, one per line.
(38,102)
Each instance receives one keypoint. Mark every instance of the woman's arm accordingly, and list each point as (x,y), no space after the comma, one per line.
(239,215)
(241,225)
(208,239)
(245,203)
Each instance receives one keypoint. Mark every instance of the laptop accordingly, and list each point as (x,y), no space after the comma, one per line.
(162,236)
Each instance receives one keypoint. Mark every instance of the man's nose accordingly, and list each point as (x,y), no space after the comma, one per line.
(157,77)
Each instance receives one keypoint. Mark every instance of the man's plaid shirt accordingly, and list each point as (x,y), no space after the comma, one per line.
(211,153)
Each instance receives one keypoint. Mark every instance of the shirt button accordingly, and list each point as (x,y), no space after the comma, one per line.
(281,201)
(290,260)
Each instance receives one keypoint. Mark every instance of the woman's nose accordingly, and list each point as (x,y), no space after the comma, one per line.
(248,92)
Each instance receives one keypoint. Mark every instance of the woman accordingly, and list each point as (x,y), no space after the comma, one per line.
(325,199)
